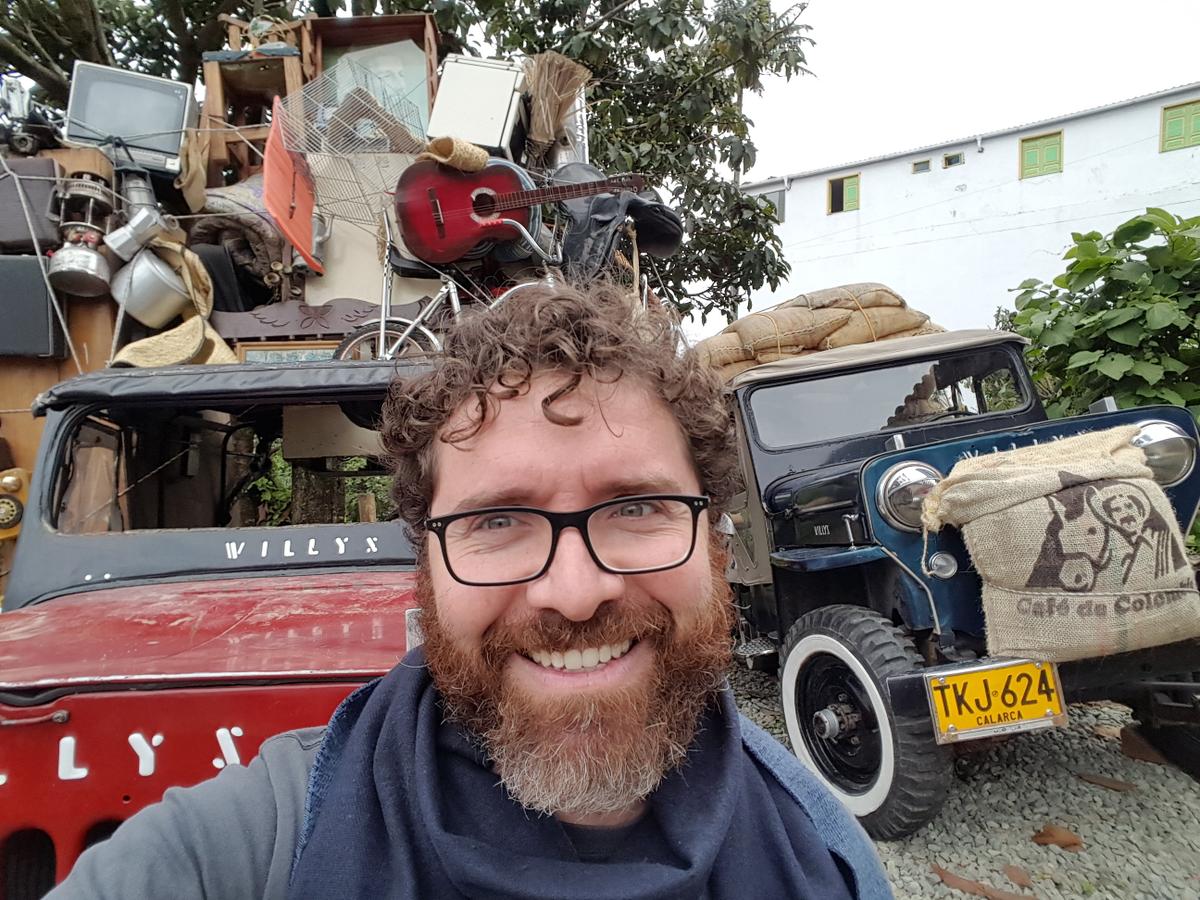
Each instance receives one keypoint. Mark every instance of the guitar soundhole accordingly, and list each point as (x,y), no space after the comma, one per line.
(483,204)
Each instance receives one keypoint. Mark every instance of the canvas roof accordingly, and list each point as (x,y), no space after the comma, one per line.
(888,350)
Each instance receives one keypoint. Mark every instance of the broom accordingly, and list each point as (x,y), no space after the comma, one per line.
(554,82)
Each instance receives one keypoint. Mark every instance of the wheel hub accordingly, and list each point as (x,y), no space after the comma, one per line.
(836,721)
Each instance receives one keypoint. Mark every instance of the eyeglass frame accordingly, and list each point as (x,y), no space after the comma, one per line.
(559,522)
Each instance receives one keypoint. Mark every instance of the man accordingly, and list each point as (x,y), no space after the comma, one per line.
(566,731)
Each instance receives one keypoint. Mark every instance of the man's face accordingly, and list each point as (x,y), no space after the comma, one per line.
(596,738)
(1126,513)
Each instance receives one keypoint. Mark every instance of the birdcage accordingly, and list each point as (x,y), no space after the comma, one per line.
(356,137)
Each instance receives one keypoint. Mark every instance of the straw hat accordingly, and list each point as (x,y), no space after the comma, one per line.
(456,153)
(194,341)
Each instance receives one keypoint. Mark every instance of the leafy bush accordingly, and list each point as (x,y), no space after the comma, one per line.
(1122,320)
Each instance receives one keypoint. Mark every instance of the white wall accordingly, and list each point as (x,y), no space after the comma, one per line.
(953,241)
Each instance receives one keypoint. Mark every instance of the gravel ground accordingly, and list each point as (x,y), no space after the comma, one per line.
(1138,845)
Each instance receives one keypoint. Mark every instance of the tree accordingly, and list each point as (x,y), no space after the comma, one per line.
(1122,320)
(42,39)
(669,79)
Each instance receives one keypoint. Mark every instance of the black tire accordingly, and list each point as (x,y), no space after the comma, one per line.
(1180,744)
(886,769)
(363,342)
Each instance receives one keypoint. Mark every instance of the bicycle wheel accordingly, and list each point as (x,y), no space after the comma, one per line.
(363,342)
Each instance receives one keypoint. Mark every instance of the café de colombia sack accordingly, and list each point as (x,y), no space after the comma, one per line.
(1077,545)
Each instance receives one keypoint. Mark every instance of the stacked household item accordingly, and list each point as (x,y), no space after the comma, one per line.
(810,323)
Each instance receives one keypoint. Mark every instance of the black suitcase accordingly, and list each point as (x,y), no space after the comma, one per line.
(28,323)
(14,230)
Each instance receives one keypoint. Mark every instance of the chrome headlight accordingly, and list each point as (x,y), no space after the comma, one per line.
(902,491)
(1170,451)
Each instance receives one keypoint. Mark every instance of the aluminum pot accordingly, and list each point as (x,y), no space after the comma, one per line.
(150,290)
(79,270)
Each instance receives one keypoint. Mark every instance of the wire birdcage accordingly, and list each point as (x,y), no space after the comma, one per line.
(356,137)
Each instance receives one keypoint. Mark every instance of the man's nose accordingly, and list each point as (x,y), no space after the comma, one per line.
(574,585)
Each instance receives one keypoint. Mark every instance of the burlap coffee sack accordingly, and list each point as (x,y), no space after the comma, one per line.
(776,329)
(927,328)
(1077,545)
(863,295)
(869,325)
(721,349)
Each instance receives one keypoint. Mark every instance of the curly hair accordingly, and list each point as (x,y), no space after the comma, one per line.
(596,331)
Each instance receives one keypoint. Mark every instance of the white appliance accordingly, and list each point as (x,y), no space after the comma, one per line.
(148,114)
(480,100)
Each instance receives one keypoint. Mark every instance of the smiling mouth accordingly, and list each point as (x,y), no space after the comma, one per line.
(587,659)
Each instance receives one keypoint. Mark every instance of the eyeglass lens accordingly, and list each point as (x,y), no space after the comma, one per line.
(627,536)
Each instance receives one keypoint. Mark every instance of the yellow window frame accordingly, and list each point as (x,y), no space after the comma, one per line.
(1038,144)
(1189,134)
(846,207)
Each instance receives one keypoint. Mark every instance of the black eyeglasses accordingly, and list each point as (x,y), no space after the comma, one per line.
(513,544)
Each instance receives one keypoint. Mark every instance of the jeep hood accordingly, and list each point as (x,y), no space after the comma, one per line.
(343,626)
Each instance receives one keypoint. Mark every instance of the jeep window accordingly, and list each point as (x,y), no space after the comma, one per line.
(900,396)
(261,465)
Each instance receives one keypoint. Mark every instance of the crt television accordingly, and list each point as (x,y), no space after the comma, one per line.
(149,114)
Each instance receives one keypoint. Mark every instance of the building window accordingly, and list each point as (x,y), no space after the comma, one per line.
(777,200)
(1041,155)
(953,159)
(921,165)
(1181,126)
(843,194)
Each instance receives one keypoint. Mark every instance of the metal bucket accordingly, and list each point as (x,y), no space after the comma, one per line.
(150,290)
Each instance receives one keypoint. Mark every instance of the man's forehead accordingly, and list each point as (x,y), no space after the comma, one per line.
(610,398)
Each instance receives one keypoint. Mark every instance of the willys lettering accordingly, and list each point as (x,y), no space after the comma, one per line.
(303,548)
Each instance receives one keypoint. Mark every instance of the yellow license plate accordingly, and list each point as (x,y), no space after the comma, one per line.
(994,698)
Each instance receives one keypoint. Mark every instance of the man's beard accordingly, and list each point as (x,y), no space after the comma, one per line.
(601,750)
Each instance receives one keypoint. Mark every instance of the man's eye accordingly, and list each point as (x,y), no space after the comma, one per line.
(494,523)
(636,510)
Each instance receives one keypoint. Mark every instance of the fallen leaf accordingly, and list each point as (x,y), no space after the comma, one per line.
(975,888)
(1109,732)
(1060,837)
(1135,746)
(1018,876)
(1113,784)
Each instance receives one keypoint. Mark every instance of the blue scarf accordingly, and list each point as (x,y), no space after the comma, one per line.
(403,805)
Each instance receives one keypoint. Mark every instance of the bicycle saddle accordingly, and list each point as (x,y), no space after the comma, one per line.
(596,222)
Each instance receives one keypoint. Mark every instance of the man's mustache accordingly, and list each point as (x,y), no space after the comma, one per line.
(614,621)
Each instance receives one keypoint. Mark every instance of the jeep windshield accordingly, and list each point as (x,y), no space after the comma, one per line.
(896,397)
(201,473)
(136,468)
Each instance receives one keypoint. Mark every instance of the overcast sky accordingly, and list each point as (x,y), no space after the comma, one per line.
(890,76)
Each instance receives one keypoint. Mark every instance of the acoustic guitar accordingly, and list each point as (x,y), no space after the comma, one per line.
(443,213)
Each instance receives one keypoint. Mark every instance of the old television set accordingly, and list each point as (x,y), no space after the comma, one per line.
(147,113)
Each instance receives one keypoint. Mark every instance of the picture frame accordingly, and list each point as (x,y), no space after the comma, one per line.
(258,352)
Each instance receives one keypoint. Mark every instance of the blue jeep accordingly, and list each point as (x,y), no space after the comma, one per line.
(877,630)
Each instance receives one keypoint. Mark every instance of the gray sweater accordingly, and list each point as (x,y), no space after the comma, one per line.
(231,836)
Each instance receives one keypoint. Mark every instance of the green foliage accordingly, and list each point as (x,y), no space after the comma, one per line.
(1122,320)
(666,101)
(379,485)
(273,490)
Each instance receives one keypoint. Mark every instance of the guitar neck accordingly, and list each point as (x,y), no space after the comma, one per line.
(519,199)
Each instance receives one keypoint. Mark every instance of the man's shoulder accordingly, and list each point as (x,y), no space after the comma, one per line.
(833,822)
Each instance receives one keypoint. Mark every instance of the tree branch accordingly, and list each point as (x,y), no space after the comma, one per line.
(50,77)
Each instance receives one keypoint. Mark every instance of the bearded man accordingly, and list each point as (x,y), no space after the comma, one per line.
(565,731)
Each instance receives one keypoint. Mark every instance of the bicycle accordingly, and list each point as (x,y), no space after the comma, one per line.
(393,337)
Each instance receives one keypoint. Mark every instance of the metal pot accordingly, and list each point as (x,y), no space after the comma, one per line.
(150,290)
(79,270)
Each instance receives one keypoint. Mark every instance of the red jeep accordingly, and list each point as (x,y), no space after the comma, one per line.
(208,558)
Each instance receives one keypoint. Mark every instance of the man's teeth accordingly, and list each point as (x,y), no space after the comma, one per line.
(574,660)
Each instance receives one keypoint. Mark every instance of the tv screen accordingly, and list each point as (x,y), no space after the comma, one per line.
(144,111)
